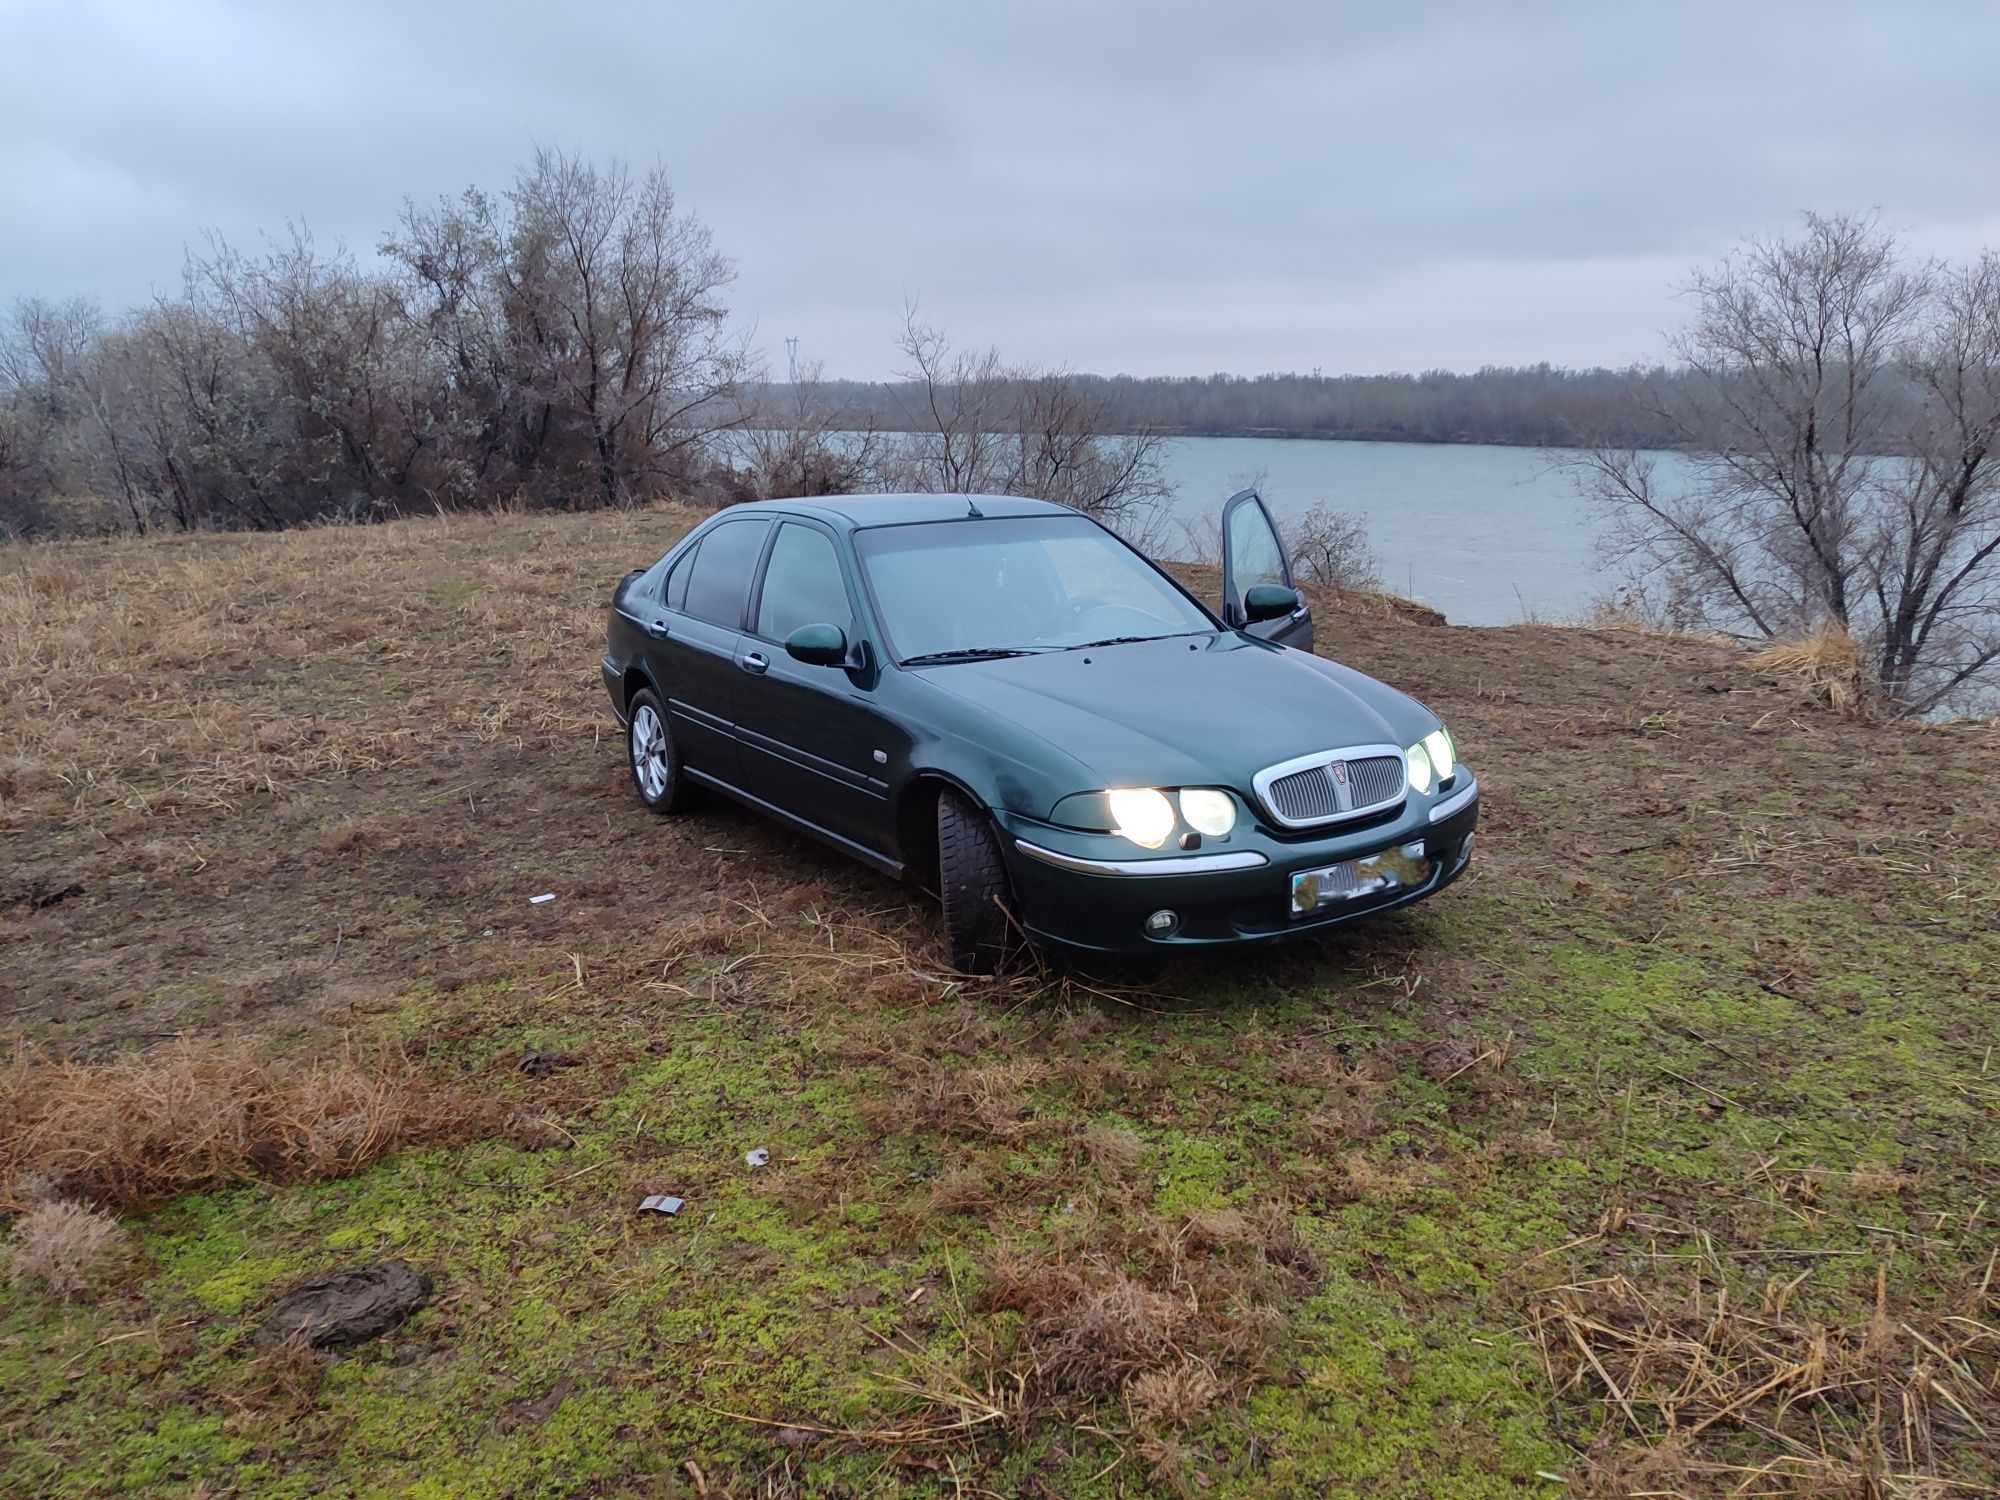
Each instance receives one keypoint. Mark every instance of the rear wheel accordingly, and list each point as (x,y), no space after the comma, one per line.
(654,758)
(972,880)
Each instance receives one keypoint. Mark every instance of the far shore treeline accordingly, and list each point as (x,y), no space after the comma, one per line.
(1541,405)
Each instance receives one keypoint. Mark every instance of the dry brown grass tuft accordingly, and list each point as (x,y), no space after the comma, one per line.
(1160,1315)
(283,1380)
(960,1190)
(1847,1407)
(1160,1399)
(195,1115)
(986,1101)
(1827,664)
(1113,1148)
(1092,1327)
(57,1246)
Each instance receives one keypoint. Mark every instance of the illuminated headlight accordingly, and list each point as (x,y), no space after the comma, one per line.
(1420,768)
(1143,815)
(1439,747)
(1209,812)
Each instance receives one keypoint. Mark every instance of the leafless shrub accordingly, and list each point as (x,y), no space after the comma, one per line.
(56,1246)
(1330,547)
(793,443)
(197,1115)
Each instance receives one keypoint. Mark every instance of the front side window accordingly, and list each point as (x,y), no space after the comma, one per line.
(802,584)
(1015,585)
(718,583)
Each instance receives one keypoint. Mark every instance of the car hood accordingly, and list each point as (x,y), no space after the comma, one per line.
(1186,711)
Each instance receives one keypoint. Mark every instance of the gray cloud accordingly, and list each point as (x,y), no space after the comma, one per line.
(1159,188)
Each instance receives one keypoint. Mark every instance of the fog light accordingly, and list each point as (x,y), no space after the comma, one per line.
(1162,923)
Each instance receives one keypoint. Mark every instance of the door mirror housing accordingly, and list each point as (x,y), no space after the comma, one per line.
(1269,601)
(817,645)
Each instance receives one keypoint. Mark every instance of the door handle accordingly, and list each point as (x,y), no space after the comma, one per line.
(753,661)
(657,630)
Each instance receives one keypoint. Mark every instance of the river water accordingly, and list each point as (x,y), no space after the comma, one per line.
(1488,535)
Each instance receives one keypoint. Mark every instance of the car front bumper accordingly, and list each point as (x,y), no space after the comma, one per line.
(1094,892)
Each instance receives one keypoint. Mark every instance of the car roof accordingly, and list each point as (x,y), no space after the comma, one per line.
(889,510)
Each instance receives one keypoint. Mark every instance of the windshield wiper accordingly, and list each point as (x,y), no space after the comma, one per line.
(969,653)
(1120,640)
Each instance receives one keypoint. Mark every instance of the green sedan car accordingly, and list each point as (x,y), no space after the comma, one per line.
(1002,701)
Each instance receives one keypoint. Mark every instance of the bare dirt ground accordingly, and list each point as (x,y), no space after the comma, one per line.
(1659,1156)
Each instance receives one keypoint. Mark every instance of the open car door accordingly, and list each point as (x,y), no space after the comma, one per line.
(1254,562)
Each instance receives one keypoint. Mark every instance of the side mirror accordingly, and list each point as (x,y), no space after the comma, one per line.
(817,645)
(1268,601)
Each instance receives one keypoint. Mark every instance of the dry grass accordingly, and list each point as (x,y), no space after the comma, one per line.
(145,676)
(1868,1409)
(196,1115)
(1160,1315)
(282,1380)
(1827,664)
(57,1247)
(981,1102)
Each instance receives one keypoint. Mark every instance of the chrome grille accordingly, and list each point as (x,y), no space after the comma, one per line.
(1305,796)
(1377,779)
(1336,787)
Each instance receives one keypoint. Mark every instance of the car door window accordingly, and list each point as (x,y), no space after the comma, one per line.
(1254,555)
(803,584)
(675,592)
(718,583)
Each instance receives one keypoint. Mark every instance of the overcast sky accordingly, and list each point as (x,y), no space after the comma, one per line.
(1157,188)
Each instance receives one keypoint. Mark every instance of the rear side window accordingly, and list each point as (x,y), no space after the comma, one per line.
(676,591)
(718,583)
(802,584)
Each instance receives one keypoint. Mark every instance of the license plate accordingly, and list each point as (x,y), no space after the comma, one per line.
(1350,880)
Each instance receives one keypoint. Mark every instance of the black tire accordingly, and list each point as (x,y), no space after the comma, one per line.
(972,882)
(652,756)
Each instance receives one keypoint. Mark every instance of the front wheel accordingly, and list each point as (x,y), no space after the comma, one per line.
(654,758)
(972,880)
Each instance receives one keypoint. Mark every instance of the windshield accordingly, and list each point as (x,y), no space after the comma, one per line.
(1008,586)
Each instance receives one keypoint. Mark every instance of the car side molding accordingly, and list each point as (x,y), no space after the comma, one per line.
(1174,864)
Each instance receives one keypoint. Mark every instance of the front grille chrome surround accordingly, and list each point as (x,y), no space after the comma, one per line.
(1333,786)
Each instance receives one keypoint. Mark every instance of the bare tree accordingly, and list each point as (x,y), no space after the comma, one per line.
(977,425)
(614,297)
(1835,460)
(578,320)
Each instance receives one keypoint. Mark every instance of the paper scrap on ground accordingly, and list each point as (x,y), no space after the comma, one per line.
(661,1203)
(542,899)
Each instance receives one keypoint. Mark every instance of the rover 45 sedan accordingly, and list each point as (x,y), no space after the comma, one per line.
(1002,701)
